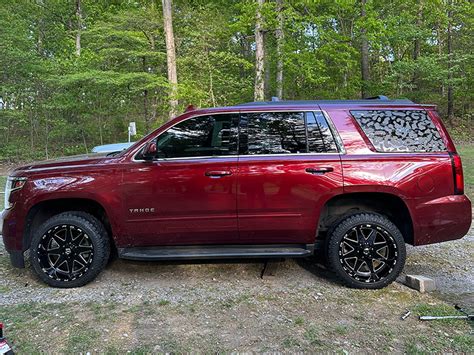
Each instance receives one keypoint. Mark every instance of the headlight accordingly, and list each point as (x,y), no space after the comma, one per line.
(13,184)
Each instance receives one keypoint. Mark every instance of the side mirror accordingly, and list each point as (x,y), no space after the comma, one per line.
(150,151)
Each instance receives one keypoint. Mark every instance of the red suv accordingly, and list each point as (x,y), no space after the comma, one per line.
(358,179)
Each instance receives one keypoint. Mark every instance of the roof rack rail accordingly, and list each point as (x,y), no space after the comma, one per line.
(376,100)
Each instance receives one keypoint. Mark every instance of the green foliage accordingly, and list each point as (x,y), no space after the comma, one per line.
(467,155)
(53,102)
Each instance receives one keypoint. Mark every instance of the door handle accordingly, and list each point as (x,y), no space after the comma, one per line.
(320,171)
(218,173)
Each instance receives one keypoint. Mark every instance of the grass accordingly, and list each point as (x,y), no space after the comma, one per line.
(148,327)
(312,336)
(467,154)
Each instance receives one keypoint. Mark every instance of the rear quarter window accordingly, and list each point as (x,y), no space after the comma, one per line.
(400,130)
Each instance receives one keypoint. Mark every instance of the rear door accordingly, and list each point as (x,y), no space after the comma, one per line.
(289,165)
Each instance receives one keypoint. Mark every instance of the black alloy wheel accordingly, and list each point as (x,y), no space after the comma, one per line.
(366,250)
(368,253)
(69,249)
(65,252)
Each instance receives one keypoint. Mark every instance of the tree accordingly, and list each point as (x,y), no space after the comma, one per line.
(364,51)
(170,56)
(450,61)
(259,92)
(279,34)
(79,27)
(77,81)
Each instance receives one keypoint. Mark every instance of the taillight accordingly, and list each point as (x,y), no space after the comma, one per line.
(457,174)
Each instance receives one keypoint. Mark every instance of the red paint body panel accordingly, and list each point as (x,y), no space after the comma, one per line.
(264,199)
(277,200)
(188,206)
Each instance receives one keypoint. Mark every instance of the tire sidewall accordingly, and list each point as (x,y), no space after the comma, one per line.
(347,224)
(91,227)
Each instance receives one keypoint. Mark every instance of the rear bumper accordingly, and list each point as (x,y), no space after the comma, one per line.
(442,219)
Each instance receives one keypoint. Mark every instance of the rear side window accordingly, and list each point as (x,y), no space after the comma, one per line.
(285,133)
(400,130)
(276,133)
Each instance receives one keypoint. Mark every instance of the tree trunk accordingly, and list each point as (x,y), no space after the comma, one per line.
(450,64)
(40,32)
(439,31)
(417,45)
(267,79)
(79,27)
(211,79)
(259,92)
(170,56)
(279,34)
(364,53)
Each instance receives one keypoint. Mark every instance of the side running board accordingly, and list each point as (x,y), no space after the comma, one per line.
(216,252)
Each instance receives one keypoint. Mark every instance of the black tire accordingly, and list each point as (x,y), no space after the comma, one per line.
(366,250)
(54,247)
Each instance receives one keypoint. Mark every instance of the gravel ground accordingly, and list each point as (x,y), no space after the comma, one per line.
(175,307)
(451,264)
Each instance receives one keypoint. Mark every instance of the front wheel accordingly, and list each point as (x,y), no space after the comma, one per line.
(366,250)
(69,249)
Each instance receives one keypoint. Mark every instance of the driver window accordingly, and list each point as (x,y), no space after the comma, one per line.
(201,136)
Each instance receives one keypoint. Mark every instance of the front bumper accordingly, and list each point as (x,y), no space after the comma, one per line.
(2,213)
(16,256)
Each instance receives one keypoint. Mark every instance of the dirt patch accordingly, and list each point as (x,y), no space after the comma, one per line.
(6,168)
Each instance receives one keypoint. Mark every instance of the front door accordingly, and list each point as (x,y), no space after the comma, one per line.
(187,194)
(288,166)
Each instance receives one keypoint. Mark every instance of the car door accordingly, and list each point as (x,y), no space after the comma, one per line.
(289,165)
(186,195)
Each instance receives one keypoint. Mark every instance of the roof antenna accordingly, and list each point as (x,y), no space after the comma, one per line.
(275,98)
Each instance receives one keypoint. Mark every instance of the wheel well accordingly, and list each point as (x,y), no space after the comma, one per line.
(42,211)
(389,205)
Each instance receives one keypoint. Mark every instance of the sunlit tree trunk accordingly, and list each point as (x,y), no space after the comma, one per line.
(279,34)
(364,52)
(79,27)
(450,62)
(417,44)
(170,56)
(259,92)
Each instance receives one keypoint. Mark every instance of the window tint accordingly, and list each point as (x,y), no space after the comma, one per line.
(286,133)
(400,131)
(320,138)
(200,136)
(276,133)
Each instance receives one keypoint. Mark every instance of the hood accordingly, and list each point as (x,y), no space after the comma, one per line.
(75,161)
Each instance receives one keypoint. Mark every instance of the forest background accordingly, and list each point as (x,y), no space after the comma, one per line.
(74,73)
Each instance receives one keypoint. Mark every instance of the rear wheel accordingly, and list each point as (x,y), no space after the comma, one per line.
(366,250)
(69,249)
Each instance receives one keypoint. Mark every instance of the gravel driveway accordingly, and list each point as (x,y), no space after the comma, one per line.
(180,307)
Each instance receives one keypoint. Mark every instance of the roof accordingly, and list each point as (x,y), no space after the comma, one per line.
(276,104)
(379,100)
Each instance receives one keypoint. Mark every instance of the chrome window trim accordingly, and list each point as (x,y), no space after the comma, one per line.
(332,128)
